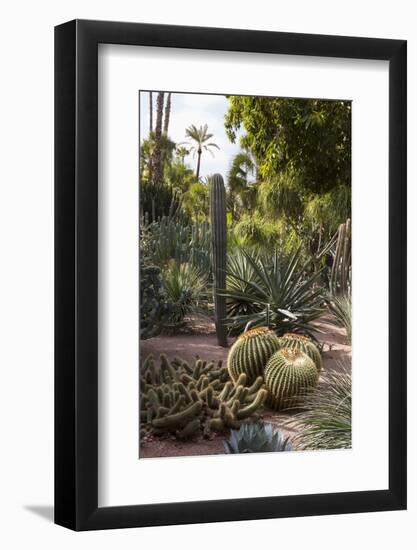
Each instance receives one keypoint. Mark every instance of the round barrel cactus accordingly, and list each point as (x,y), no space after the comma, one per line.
(303,343)
(250,353)
(289,375)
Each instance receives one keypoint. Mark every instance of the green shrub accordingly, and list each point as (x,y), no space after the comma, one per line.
(155,310)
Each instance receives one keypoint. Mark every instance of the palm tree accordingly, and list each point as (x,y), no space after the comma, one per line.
(241,192)
(181,153)
(167,113)
(150,113)
(199,138)
(156,160)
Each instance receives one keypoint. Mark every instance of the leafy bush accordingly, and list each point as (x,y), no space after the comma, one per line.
(327,421)
(278,284)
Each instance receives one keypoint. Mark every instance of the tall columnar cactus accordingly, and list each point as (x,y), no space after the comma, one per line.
(304,344)
(340,278)
(219,242)
(289,375)
(250,353)
(186,400)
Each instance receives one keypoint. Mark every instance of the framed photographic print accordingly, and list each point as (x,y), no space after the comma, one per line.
(230,275)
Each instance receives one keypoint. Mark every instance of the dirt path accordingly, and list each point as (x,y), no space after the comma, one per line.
(202,341)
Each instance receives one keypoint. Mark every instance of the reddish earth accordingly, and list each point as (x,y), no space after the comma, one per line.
(199,338)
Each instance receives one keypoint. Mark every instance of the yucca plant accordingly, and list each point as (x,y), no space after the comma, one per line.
(341,307)
(326,422)
(256,438)
(185,287)
(283,285)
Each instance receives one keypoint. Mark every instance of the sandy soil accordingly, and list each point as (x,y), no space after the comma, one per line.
(199,338)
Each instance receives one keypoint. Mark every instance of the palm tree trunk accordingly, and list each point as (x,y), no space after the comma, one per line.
(157,161)
(167,113)
(198,164)
(150,113)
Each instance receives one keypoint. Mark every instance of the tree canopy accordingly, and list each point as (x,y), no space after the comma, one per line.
(309,136)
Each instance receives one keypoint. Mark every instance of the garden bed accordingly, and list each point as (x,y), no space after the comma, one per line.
(198,338)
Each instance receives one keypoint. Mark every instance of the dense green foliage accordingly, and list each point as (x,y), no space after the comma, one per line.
(310,136)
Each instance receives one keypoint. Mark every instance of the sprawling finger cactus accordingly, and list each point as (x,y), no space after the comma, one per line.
(303,343)
(250,353)
(289,375)
(188,400)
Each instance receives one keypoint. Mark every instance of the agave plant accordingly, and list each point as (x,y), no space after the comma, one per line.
(256,438)
(341,307)
(281,293)
(240,271)
(185,288)
(327,421)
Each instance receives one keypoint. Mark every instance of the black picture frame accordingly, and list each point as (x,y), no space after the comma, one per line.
(76,271)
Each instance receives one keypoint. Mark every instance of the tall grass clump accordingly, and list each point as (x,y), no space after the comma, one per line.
(341,308)
(326,422)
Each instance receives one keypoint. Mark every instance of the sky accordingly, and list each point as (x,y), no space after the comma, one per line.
(197,109)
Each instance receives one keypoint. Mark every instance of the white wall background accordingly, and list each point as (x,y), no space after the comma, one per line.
(26,273)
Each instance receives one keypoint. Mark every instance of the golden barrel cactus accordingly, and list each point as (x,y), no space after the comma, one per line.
(250,353)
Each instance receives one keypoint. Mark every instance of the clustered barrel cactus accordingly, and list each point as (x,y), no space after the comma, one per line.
(289,375)
(302,343)
(186,400)
(250,353)
(219,242)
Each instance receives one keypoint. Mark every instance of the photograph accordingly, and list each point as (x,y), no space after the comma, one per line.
(245,274)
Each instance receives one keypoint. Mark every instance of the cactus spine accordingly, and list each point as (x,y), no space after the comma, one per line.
(289,375)
(218,243)
(304,344)
(250,353)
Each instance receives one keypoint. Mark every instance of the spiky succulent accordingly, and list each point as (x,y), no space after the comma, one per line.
(304,344)
(289,375)
(256,438)
(250,353)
